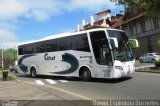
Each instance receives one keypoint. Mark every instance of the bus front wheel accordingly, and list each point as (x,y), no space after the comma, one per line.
(33,72)
(86,76)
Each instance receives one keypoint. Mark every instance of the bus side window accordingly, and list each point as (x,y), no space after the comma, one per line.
(67,43)
(64,44)
(42,48)
(51,45)
(80,43)
(60,44)
(29,49)
(20,50)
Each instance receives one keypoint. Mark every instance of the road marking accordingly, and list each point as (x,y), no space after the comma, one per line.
(39,82)
(63,80)
(50,81)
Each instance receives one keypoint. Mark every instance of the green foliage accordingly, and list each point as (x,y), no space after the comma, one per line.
(151,6)
(10,76)
(157,63)
(158,43)
(9,56)
(133,44)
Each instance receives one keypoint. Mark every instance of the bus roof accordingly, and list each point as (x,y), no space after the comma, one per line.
(62,35)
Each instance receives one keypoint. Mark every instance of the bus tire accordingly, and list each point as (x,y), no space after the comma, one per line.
(33,72)
(86,75)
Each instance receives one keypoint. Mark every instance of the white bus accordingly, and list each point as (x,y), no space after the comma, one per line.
(94,53)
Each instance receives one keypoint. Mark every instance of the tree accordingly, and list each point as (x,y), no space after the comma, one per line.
(158,43)
(150,6)
(9,56)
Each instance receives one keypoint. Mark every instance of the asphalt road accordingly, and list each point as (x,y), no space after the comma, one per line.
(141,86)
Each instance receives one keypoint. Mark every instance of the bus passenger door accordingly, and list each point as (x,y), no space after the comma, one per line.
(106,64)
(102,54)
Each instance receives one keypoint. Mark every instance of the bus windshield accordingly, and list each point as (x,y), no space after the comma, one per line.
(123,52)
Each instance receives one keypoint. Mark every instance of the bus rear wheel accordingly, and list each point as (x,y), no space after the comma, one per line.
(86,75)
(33,72)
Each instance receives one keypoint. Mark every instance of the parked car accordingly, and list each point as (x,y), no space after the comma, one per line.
(13,67)
(149,57)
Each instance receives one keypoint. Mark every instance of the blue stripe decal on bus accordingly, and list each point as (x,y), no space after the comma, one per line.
(72,60)
(21,65)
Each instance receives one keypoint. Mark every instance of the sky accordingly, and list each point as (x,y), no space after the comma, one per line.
(25,20)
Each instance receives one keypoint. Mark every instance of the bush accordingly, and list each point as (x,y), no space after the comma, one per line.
(10,76)
(157,63)
(133,44)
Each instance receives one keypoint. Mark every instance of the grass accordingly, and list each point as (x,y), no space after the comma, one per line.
(4,70)
(10,75)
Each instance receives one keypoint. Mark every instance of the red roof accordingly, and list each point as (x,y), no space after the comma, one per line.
(117,22)
(95,26)
(120,21)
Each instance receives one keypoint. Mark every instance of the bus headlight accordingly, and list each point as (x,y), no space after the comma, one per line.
(119,67)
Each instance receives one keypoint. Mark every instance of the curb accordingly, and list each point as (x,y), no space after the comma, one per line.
(149,70)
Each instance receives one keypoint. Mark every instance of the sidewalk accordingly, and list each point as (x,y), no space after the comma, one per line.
(28,94)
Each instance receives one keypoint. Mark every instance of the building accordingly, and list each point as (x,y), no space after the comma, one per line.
(137,25)
(103,21)
(146,29)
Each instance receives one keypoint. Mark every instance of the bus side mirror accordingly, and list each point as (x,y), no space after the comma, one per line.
(134,43)
(113,42)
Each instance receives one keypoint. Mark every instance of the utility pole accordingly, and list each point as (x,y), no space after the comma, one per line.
(2,60)
(14,52)
(2,55)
